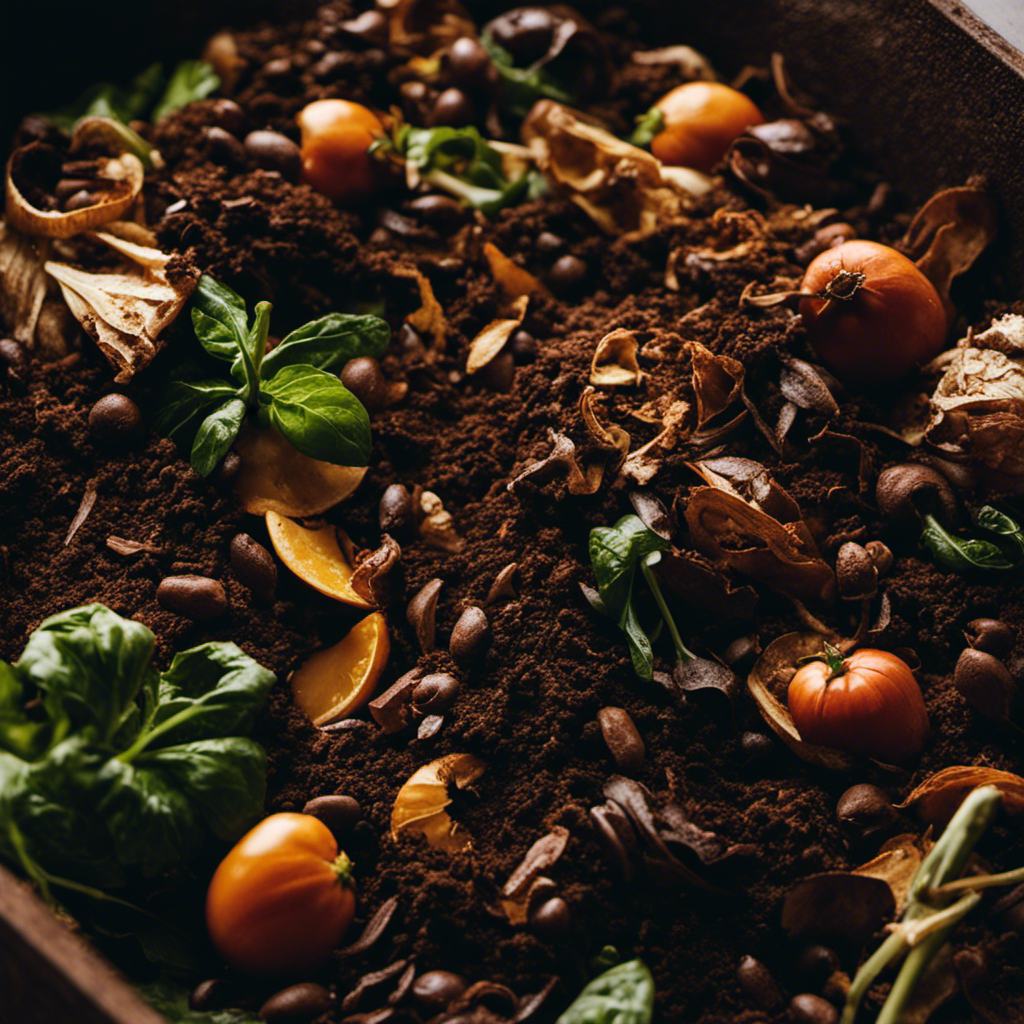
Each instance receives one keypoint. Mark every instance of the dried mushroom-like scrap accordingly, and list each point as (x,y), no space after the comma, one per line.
(493,338)
(623,189)
(421,804)
(614,363)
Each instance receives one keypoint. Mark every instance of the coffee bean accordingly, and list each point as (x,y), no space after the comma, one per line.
(440,212)
(865,810)
(222,147)
(417,100)
(338,813)
(80,201)
(213,994)
(499,374)
(816,964)
(253,565)
(470,635)
(983,681)
(624,742)
(363,378)
(993,636)
(297,1004)
(742,651)
(435,693)
(453,107)
(552,920)
(811,1009)
(228,467)
(757,747)
(395,510)
(194,597)
(370,25)
(229,116)
(332,65)
(524,348)
(756,980)
(468,61)
(549,243)
(434,990)
(856,573)
(273,151)
(525,32)
(567,275)
(280,67)
(115,423)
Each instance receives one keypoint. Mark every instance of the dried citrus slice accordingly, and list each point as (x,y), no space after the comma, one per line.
(338,681)
(276,478)
(315,557)
(420,806)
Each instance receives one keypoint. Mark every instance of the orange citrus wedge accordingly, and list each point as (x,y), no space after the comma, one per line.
(421,803)
(338,681)
(315,557)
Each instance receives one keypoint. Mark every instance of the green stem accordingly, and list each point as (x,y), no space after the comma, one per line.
(917,931)
(914,966)
(976,882)
(682,651)
(835,662)
(893,946)
(473,195)
(143,741)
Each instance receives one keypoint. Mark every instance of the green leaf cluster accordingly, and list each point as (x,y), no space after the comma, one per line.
(969,555)
(462,162)
(522,87)
(290,388)
(108,765)
(622,995)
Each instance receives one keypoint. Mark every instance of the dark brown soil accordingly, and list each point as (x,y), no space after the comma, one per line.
(529,706)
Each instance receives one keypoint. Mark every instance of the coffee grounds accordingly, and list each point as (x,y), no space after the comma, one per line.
(529,706)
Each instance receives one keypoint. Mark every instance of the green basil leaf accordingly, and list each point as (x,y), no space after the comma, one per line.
(191,80)
(330,342)
(215,436)
(640,651)
(215,336)
(93,662)
(318,415)
(522,87)
(615,552)
(257,337)
(994,521)
(962,555)
(212,690)
(184,404)
(622,995)
(20,733)
(108,100)
(218,302)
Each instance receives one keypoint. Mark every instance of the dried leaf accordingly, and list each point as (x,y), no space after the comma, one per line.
(948,234)
(617,834)
(801,383)
(512,279)
(422,27)
(936,799)
(374,929)
(614,362)
(429,318)
(561,461)
(705,588)
(493,338)
(369,981)
(641,465)
(529,1005)
(544,853)
(775,668)
(610,436)
(897,863)
(22,282)
(437,526)
(838,905)
(699,674)
(84,508)
(717,381)
(620,187)
(652,513)
(750,481)
(430,726)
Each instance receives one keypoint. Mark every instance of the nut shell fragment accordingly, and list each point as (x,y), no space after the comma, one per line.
(614,362)
(421,804)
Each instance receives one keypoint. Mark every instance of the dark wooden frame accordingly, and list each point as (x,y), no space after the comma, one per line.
(910,82)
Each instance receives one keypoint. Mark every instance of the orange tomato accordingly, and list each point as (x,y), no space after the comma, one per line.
(336,137)
(281,900)
(701,119)
(868,703)
(893,322)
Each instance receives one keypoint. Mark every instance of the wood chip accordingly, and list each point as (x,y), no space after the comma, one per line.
(88,500)
(374,929)
(123,546)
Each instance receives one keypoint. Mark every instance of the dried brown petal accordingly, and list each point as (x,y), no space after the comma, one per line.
(123,546)
(370,981)
(838,905)
(429,318)
(561,461)
(614,362)
(948,234)
(374,929)
(936,799)
(541,856)
(610,436)
(717,381)
(617,834)
(529,1005)
(698,674)
(22,282)
(422,614)
(801,383)
(437,526)
(375,578)
(404,986)
(430,726)
(641,465)
(84,508)
(512,279)
(493,338)
(775,668)
(897,863)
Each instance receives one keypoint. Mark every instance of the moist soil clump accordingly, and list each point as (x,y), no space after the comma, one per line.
(529,702)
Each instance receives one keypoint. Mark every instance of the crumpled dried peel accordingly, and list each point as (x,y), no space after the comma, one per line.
(614,362)
(717,381)
(315,556)
(276,478)
(337,682)
(22,282)
(937,798)
(897,863)
(421,804)
(561,460)
(511,278)
(429,318)
(777,665)
(608,436)
(493,338)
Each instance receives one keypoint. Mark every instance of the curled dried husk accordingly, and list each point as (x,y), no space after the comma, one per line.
(493,338)
(544,853)
(607,435)
(614,362)
(421,804)
(429,318)
(692,64)
(642,464)
(776,667)
(620,187)
(422,27)
(511,278)
(717,381)
(937,798)
(561,462)
(375,577)
(948,234)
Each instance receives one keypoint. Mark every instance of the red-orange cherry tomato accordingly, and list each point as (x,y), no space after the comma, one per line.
(701,119)
(868,703)
(281,900)
(891,323)
(336,137)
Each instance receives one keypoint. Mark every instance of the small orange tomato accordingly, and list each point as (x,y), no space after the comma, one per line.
(877,330)
(336,137)
(701,119)
(868,703)
(281,900)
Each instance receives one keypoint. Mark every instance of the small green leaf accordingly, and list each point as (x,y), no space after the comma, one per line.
(647,126)
(216,435)
(185,403)
(614,554)
(622,995)
(522,87)
(257,337)
(191,80)
(218,302)
(215,336)
(967,555)
(170,998)
(330,342)
(108,100)
(318,415)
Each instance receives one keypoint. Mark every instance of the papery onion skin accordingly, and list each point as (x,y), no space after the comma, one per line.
(336,137)
(874,707)
(893,323)
(701,120)
(281,900)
